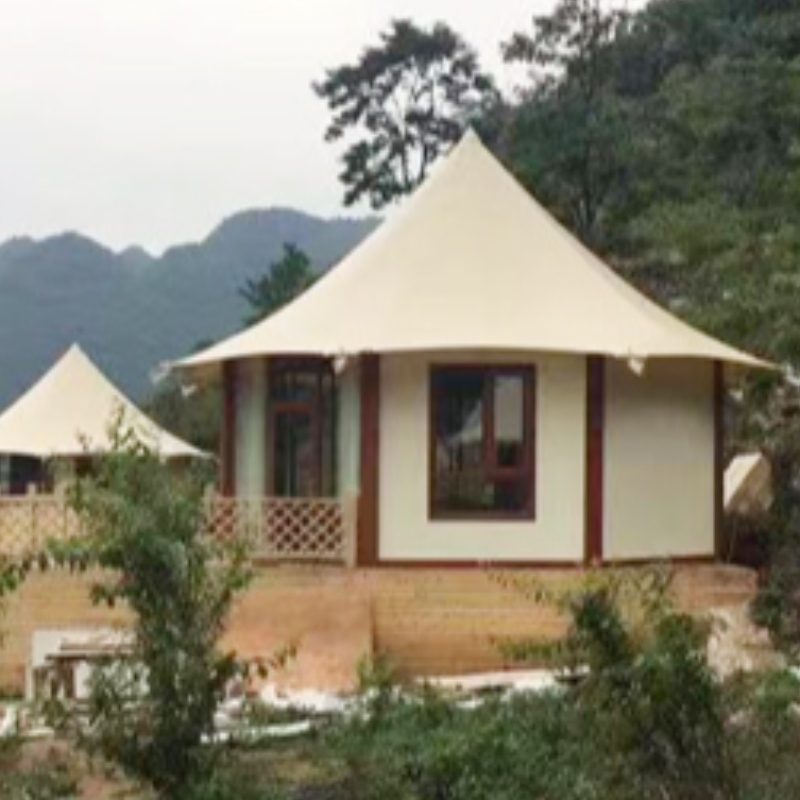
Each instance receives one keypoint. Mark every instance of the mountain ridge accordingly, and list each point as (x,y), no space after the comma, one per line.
(130,309)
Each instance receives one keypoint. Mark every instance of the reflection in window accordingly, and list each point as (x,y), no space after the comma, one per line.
(509,420)
(482,458)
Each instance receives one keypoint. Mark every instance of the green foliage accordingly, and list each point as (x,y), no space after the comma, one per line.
(53,779)
(195,416)
(568,138)
(778,603)
(378,682)
(406,100)
(145,528)
(640,595)
(287,278)
(667,139)
(646,721)
(764,734)
(654,712)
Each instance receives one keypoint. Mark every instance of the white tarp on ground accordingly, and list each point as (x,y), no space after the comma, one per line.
(68,412)
(471,262)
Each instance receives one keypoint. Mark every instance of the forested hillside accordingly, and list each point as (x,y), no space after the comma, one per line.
(130,310)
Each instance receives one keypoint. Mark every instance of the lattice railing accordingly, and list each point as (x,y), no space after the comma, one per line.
(288,529)
(28,522)
(280,529)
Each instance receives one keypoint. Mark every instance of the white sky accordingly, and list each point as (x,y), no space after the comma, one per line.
(148,121)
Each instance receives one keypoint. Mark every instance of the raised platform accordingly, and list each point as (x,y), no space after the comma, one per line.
(427,621)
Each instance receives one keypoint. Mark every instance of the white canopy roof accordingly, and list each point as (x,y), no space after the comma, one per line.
(68,413)
(471,262)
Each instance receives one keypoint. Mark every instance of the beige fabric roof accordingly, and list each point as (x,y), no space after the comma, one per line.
(471,261)
(68,413)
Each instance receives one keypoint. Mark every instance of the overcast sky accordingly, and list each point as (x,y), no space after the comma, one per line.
(148,121)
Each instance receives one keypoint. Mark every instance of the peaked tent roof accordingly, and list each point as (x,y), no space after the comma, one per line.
(67,412)
(471,261)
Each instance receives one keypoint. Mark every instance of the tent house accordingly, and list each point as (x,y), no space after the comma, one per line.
(65,417)
(478,387)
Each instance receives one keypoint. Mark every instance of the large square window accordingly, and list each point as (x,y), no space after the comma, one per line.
(482,442)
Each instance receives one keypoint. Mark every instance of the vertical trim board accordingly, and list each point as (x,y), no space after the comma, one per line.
(719,459)
(367,551)
(595,440)
(228,437)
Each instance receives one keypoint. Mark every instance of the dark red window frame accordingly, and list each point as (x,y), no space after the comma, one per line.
(525,472)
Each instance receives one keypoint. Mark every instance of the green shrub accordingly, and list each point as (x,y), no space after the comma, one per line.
(764,734)
(51,779)
(647,720)
(654,711)
(145,528)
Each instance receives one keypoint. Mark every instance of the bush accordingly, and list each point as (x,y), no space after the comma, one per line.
(764,733)
(647,720)
(653,711)
(145,528)
(49,780)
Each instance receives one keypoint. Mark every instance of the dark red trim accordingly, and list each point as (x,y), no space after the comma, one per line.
(595,441)
(544,565)
(698,559)
(444,564)
(719,459)
(367,547)
(228,437)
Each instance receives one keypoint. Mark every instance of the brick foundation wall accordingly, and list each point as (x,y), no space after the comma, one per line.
(428,621)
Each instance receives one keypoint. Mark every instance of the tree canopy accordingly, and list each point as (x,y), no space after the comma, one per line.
(402,103)
(667,140)
(285,279)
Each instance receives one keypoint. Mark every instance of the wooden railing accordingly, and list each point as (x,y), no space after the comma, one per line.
(279,529)
(28,522)
(289,529)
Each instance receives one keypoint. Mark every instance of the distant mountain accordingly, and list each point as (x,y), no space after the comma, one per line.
(132,310)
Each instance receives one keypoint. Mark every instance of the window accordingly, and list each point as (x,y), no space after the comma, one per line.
(18,472)
(482,442)
(302,405)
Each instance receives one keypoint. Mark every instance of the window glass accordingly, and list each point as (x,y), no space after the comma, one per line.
(460,441)
(295,456)
(509,420)
(294,384)
(481,440)
(302,411)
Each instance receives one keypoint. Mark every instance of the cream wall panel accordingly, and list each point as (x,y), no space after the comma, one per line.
(557,533)
(659,460)
(251,443)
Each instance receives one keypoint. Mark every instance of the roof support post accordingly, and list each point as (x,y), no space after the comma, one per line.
(228,437)
(367,548)
(719,459)
(595,447)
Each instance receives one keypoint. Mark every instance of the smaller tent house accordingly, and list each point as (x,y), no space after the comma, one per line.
(477,387)
(66,417)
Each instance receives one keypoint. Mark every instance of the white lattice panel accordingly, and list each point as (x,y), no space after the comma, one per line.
(313,529)
(28,523)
